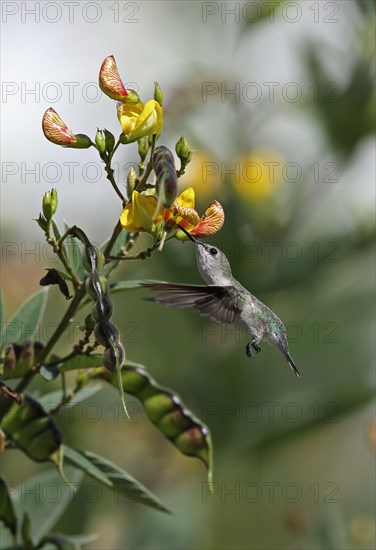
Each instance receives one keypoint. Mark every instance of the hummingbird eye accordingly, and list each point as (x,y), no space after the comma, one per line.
(213,251)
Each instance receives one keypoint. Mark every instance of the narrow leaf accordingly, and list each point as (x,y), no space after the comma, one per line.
(78,459)
(52,399)
(81,362)
(123,483)
(25,322)
(7,513)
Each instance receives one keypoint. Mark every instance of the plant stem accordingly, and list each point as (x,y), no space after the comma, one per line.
(116,232)
(142,183)
(111,179)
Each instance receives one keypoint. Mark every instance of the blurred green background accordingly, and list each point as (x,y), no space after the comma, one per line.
(252,87)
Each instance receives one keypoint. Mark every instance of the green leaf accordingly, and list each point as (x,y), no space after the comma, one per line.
(45,512)
(126,485)
(67,542)
(120,241)
(7,513)
(26,532)
(82,362)
(25,322)
(52,399)
(79,460)
(129,285)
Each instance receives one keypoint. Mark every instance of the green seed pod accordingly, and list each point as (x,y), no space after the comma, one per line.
(172,423)
(102,309)
(46,443)
(92,258)
(106,333)
(96,286)
(158,405)
(191,441)
(32,430)
(166,410)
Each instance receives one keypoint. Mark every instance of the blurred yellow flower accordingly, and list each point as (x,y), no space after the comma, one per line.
(140,120)
(204,173)
(258,174)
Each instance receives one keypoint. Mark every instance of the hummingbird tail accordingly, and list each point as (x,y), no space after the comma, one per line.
(292,365)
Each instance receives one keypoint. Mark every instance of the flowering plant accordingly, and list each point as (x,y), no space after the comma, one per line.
(151,203)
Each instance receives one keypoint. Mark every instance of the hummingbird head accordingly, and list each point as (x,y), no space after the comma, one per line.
(277,338)
(212,262)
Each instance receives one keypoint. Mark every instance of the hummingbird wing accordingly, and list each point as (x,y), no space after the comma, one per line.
(222,303)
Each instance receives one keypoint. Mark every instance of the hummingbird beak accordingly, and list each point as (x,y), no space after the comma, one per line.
(292,365)
(193,239)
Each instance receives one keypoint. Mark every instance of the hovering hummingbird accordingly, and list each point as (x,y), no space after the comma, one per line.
(226,300)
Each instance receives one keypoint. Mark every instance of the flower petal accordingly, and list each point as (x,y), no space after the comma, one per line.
(55,129)
(139,214)
(211,222)
(187,198)
(111,84)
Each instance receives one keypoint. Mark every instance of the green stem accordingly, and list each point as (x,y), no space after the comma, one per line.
(116,232)
(111,179)
(142,183)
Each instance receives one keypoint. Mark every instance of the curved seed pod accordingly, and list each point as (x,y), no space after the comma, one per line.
(33,430)
(105,332)
(102,309)
(166,410)
(165,172)
(92,257)
(96,286)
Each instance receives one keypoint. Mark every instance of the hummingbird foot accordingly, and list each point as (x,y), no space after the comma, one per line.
(249,347)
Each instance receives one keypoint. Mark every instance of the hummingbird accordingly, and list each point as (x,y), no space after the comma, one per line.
(226,300)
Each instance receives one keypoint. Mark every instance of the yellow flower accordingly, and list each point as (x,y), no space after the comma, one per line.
(140,215)
(259,174)
(56,131)
(140,120)
(111,84)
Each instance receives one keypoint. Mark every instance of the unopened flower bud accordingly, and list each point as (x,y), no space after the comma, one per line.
(111,84)
(100,141)
(49,204)
(183,151)
(158,94)
(42,222)
(110,141)
(56,131)
(131,180)
(143,148)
